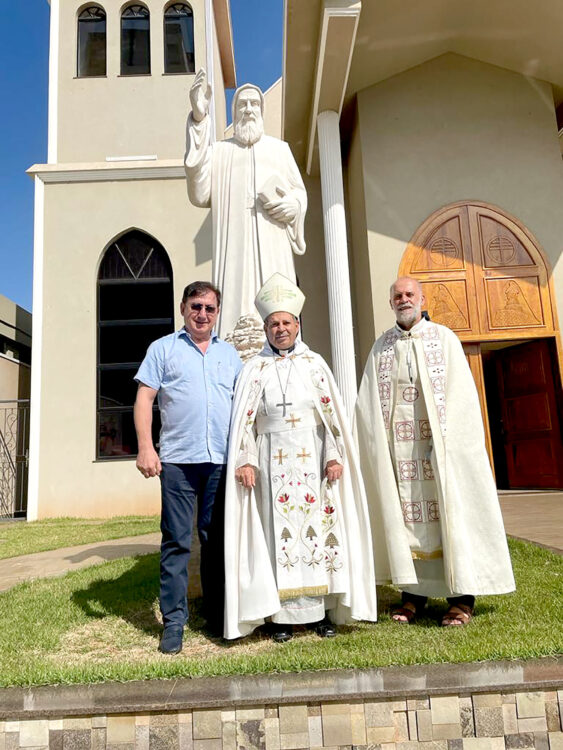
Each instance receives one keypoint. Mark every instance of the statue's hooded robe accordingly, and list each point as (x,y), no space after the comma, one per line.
(248,245)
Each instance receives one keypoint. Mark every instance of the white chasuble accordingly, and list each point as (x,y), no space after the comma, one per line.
(300,516)
(296,545)
(436,520)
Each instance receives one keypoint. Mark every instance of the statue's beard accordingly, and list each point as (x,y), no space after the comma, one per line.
(247,133)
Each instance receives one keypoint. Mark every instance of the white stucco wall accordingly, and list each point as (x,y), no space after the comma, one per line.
(80,222)
(453,129)
(119,115)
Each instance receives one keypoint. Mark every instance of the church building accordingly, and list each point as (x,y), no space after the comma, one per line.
(427,137)
(440,124)
(116,239)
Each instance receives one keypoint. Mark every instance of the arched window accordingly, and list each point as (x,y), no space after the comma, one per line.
(91,42)
(179,39)
(135,307)
(135,41)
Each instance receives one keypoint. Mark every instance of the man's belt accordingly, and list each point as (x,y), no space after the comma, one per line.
(294,420)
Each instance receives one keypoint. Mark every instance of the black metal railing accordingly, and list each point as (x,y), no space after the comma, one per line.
(14,447)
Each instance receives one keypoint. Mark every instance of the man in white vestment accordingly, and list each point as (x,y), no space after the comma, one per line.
(436,519)
(297,536)
(257,198)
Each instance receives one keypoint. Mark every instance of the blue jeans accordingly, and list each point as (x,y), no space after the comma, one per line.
(181,486)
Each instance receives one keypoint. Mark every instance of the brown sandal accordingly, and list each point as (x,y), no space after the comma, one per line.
(457,616)
(402,611)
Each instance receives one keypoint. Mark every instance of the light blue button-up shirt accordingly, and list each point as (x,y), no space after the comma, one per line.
(195,392)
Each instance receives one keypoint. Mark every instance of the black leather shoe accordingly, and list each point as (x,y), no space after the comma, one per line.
(324,628)
(171,641)
(282,633)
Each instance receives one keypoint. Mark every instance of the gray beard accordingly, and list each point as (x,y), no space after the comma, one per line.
(406,317)
(250,132)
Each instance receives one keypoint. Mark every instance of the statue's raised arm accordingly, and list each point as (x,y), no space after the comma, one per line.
(200,96)
(198,157)
(256,194)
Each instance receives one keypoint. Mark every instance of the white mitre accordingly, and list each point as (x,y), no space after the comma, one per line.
(279,294)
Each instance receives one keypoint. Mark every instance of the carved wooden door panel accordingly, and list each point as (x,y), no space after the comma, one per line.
(485,277)
(482,274)
(532,431)
(442,260)
(511,279)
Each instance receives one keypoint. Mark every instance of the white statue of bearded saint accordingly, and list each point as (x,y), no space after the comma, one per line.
(256,194)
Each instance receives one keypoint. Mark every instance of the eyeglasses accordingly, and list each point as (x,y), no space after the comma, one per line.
(198,307)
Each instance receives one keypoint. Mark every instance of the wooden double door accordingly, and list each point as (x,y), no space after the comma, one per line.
(485,277)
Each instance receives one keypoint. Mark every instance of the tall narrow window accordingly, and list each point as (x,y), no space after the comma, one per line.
(179,39)
(92,42)
(135,41)
(135,307)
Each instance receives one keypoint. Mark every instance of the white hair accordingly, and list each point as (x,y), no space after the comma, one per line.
(404,278)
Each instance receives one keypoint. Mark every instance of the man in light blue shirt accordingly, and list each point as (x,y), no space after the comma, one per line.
(193,373)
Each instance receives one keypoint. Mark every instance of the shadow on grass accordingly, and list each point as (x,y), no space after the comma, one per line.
(131,596)
(111,552)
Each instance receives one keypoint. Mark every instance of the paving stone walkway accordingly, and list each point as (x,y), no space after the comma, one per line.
(534,516)
(56,562)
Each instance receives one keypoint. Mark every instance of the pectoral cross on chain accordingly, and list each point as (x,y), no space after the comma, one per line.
(284,404)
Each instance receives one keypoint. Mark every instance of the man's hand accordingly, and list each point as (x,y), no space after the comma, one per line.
(148,463)
(200,96)
(284,209)
(246,476)
(334,471)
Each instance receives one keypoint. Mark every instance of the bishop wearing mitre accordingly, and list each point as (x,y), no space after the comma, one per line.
(298,547)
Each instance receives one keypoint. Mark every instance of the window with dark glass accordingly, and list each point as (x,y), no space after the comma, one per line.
(135,41)
(179,39)
(91,42)
(135,307)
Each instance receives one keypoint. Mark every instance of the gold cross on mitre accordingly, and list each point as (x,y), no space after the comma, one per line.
(281,455)
(279,294)
(293,420)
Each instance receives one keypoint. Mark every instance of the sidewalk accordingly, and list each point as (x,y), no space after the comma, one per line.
(534,517)
(14,570)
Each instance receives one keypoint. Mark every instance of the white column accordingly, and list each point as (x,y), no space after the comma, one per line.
(53,114)
(336,248)
(36,352)
(209,40)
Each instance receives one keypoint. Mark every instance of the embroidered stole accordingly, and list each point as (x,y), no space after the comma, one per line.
(435,364)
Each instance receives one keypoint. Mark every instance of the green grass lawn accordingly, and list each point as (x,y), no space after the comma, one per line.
(21,538)
(101,623)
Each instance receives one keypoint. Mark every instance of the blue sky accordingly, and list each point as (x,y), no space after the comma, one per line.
(24,50)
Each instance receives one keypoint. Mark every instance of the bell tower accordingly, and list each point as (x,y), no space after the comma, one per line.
(119,75)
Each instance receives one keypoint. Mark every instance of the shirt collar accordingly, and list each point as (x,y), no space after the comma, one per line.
(183,332)
(282,352)
(298,348)
(416,328)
